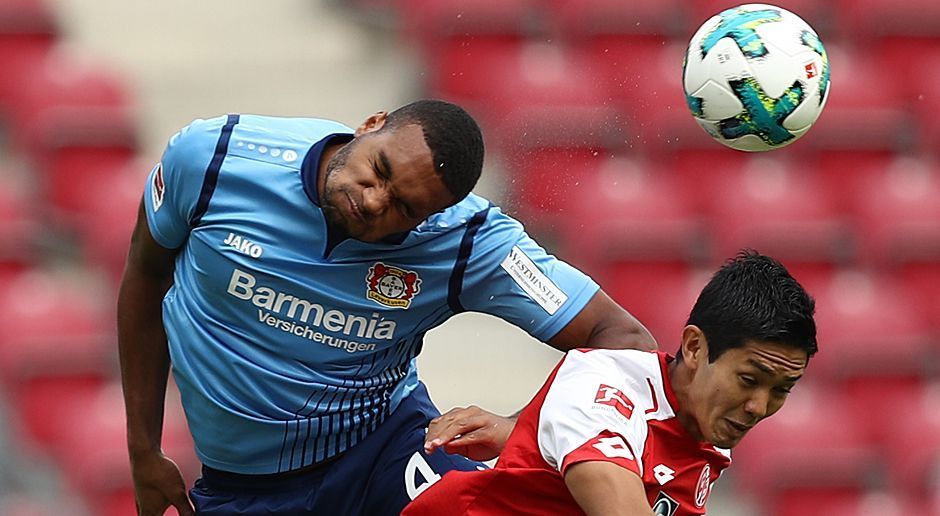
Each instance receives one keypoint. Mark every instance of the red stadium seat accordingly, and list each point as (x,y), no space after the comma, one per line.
(898,213)
(529,93)
(776,206)
(106,219)
(583,19)
(18,226)
(658,293)
(28,30)
(93,451)
(868,328)
(898,38)
(630,210)
(54,343)
(912,446)
(861,119)
(844,502)
(812,445)
(64,97)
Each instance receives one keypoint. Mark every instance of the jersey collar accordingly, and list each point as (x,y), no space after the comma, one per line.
(310,169)
(310,174)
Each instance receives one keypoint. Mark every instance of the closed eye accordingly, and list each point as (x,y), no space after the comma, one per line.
(748,380)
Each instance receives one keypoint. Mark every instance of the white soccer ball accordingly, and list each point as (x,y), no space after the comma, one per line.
(756,77)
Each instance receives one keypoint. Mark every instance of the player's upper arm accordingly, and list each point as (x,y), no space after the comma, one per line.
(602,488)
(510,276)
(146,257)
(602,323)
(175,184)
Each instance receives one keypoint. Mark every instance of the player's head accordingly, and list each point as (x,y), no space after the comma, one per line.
(402,167)
(748,340)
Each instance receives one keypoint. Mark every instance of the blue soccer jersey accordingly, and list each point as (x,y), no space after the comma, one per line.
(288,350)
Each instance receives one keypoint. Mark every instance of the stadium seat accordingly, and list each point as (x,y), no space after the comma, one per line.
(912,446)
(579,20)
(66,96)
(926,103)
(18,226)
(93,451)
(775,205)
(526,92)
(105,221)
(642,76)
(55,342)
(868,328)
(844,502)
(629,209)
(28,31)
(897,213)
(897,38)
(861,119)
(658,293)
(812,445)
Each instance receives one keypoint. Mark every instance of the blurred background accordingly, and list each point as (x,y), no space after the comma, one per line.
(590,144)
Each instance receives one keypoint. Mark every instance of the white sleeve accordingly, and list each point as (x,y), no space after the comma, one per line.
(595,410)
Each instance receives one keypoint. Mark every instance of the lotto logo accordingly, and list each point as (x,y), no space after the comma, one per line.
(607,395)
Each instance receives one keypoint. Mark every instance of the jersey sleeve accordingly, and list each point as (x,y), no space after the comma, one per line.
(174,184)
(510,276)
(592,413)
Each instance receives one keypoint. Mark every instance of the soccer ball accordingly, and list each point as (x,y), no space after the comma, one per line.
(756,77)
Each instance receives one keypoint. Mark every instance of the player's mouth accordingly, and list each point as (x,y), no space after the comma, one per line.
(354,212)
(737,428)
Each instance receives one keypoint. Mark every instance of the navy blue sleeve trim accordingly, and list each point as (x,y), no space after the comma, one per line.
(455,285)
(212,172)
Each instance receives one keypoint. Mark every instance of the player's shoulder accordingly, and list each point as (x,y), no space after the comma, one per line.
(203,134)
(473,211)
(302,128)
(629,363)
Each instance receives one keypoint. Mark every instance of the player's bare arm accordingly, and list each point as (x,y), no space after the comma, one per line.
(602,323)
(145,366)
(481,435)
(604,488)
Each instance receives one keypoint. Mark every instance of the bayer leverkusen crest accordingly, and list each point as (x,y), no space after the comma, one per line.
(391,286)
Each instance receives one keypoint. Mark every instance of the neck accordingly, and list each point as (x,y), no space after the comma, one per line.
(680,378)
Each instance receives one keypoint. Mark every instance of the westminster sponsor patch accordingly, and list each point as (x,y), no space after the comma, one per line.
(157,187)
(391,286)
(537,285)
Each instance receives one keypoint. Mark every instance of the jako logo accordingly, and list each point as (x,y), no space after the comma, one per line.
(243,245)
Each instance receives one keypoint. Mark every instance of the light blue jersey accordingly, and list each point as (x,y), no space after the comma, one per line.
(287,352)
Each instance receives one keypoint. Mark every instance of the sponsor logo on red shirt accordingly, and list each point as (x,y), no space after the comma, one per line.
(607,395)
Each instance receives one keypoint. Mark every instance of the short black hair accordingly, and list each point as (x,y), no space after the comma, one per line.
(454,138)
(754,298)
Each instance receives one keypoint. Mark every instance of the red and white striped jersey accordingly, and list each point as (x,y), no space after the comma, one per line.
(607,405)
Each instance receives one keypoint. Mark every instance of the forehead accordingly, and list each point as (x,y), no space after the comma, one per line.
(405,148)
(771,357)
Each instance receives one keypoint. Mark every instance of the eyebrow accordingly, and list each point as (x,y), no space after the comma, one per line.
(764,368)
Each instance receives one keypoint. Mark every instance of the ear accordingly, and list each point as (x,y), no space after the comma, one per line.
(694,347)
(373,123)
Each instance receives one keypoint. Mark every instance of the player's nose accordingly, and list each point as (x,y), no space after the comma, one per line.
(375,200)
(756,405)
